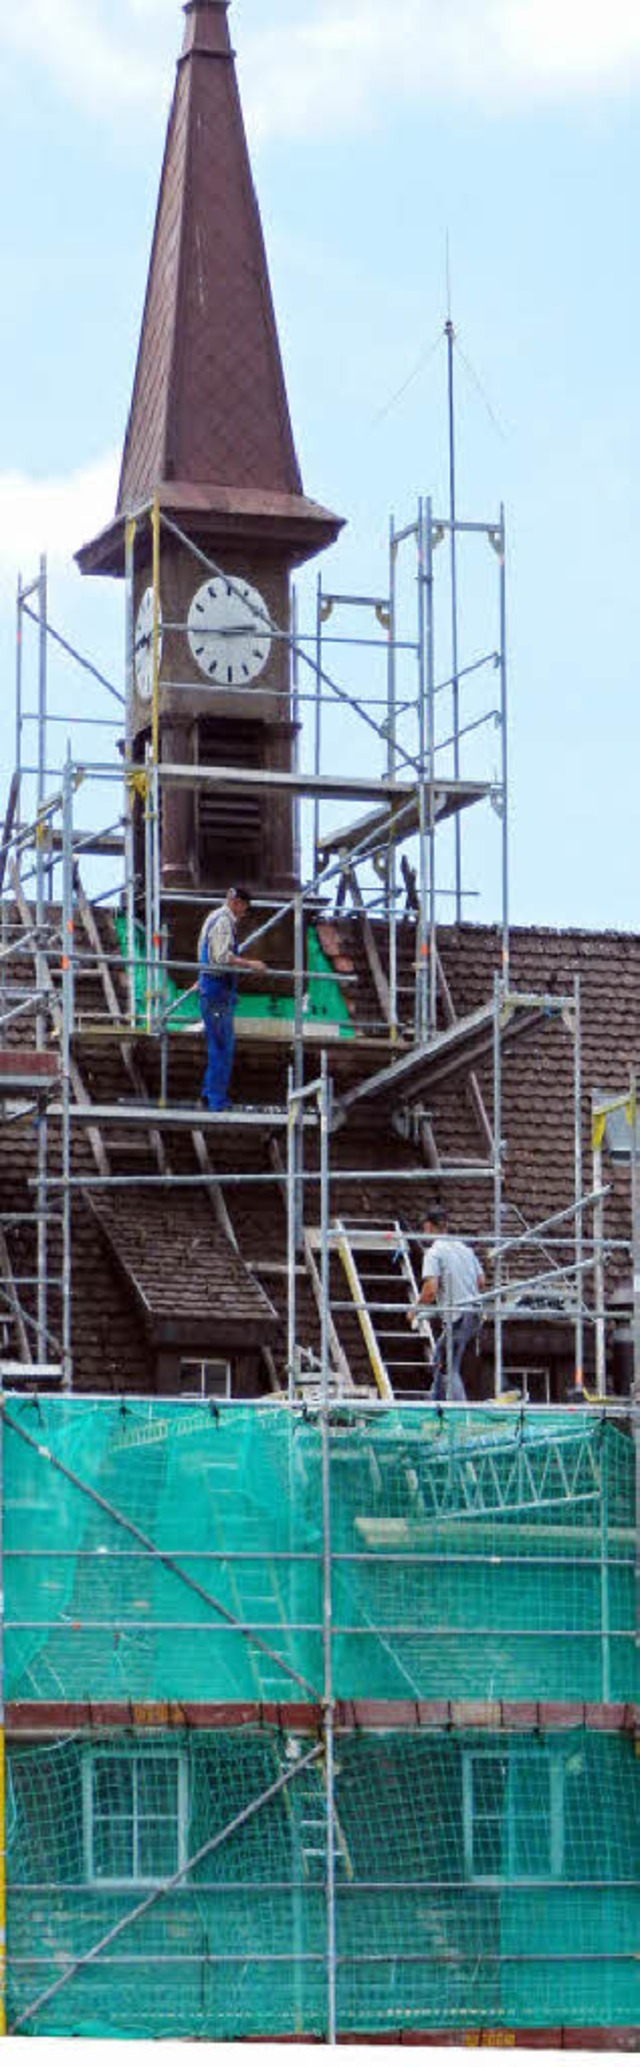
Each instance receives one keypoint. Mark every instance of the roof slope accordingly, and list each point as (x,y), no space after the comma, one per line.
(182,1268)
(209,400)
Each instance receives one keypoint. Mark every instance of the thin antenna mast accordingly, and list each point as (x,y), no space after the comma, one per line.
(450,337)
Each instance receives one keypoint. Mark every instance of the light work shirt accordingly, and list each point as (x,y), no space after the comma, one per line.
(218,940)
(457,1273)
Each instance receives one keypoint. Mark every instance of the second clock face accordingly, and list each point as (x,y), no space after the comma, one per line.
(143,644)
(228,631)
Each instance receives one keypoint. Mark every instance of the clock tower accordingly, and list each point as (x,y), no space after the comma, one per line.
(209,443)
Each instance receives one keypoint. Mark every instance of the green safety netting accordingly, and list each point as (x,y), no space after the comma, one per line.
(482,1882)
(483,1554)
(324,1002)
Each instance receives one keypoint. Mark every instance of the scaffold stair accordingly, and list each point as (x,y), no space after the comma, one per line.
(378,1274)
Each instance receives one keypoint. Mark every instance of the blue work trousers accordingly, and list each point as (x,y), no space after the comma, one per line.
(217,1000)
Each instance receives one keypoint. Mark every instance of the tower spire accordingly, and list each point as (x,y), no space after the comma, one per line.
(209,430)
(209,402)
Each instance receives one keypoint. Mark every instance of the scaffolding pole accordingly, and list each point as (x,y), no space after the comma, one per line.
(391,879)
(3,1759)
(579,1221)
(328,1703)
(504,725)
(67,1031)
(635,1388)
(423,1016)
(497,1180)
(41,1014)
(129,790)
(598,1273)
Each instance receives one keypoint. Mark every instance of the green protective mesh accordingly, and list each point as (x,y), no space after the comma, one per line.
(323,1001)
(473,1555)
(481,1881)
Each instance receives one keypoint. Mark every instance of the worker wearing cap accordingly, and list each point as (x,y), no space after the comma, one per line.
(218,960)
(452,1280)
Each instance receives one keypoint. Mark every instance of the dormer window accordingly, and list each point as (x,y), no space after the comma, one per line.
(205,1378)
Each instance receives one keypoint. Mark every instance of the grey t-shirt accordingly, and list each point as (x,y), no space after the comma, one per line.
(457,1273)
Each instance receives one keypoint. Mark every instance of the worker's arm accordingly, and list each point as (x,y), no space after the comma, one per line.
(426,1297)
(222,954)
(239,961)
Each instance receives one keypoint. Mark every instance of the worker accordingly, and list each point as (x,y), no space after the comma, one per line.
(452,1280)
(219,959)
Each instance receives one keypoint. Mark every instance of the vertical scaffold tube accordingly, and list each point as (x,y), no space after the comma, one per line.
(67,1033)
(155,631)
(129,792)
(148,892)
(579,1187)
(422,969)
(156,921)
(327,1611)
(41,1019)
(498,996)
(294,677)
(504,715)
(317,720)
(291,1238)
(3,1814)
(18,747)
(635,1385)
(298,1059)
(598,1253)
(431,746)
(392,858)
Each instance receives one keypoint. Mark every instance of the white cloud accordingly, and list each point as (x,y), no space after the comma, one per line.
(349,59)
(52,516)
(344,61)
(102,54)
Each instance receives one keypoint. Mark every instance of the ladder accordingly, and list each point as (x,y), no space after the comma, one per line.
(307,1802)
(380,1279)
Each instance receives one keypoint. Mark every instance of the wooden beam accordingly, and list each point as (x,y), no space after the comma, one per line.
(379,979)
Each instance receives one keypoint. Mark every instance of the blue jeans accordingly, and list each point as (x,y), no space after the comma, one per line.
(217,1000)
(463,1331)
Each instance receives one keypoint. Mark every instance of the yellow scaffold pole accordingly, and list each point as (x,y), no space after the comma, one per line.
(155,632)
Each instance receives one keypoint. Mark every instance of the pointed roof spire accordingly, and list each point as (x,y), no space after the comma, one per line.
(209,426)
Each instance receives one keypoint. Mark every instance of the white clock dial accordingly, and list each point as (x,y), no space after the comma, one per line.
(228,631)
(143,644)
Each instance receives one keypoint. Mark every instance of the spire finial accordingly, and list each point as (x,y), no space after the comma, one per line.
(206,27)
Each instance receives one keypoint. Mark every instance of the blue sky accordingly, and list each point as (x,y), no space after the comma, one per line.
(508,126)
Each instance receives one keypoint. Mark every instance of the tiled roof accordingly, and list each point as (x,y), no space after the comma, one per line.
(152,1265)
(209,400)
(182,1268)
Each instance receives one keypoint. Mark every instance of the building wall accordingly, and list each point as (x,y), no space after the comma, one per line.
(481,1880)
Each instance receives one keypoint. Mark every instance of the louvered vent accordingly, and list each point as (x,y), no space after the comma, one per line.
(229,830)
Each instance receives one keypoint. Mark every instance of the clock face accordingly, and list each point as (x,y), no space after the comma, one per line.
(143,644)
(228,631)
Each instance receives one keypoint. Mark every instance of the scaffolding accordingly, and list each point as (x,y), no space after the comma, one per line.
(408,1049)
(359,1750)
(292,1607)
